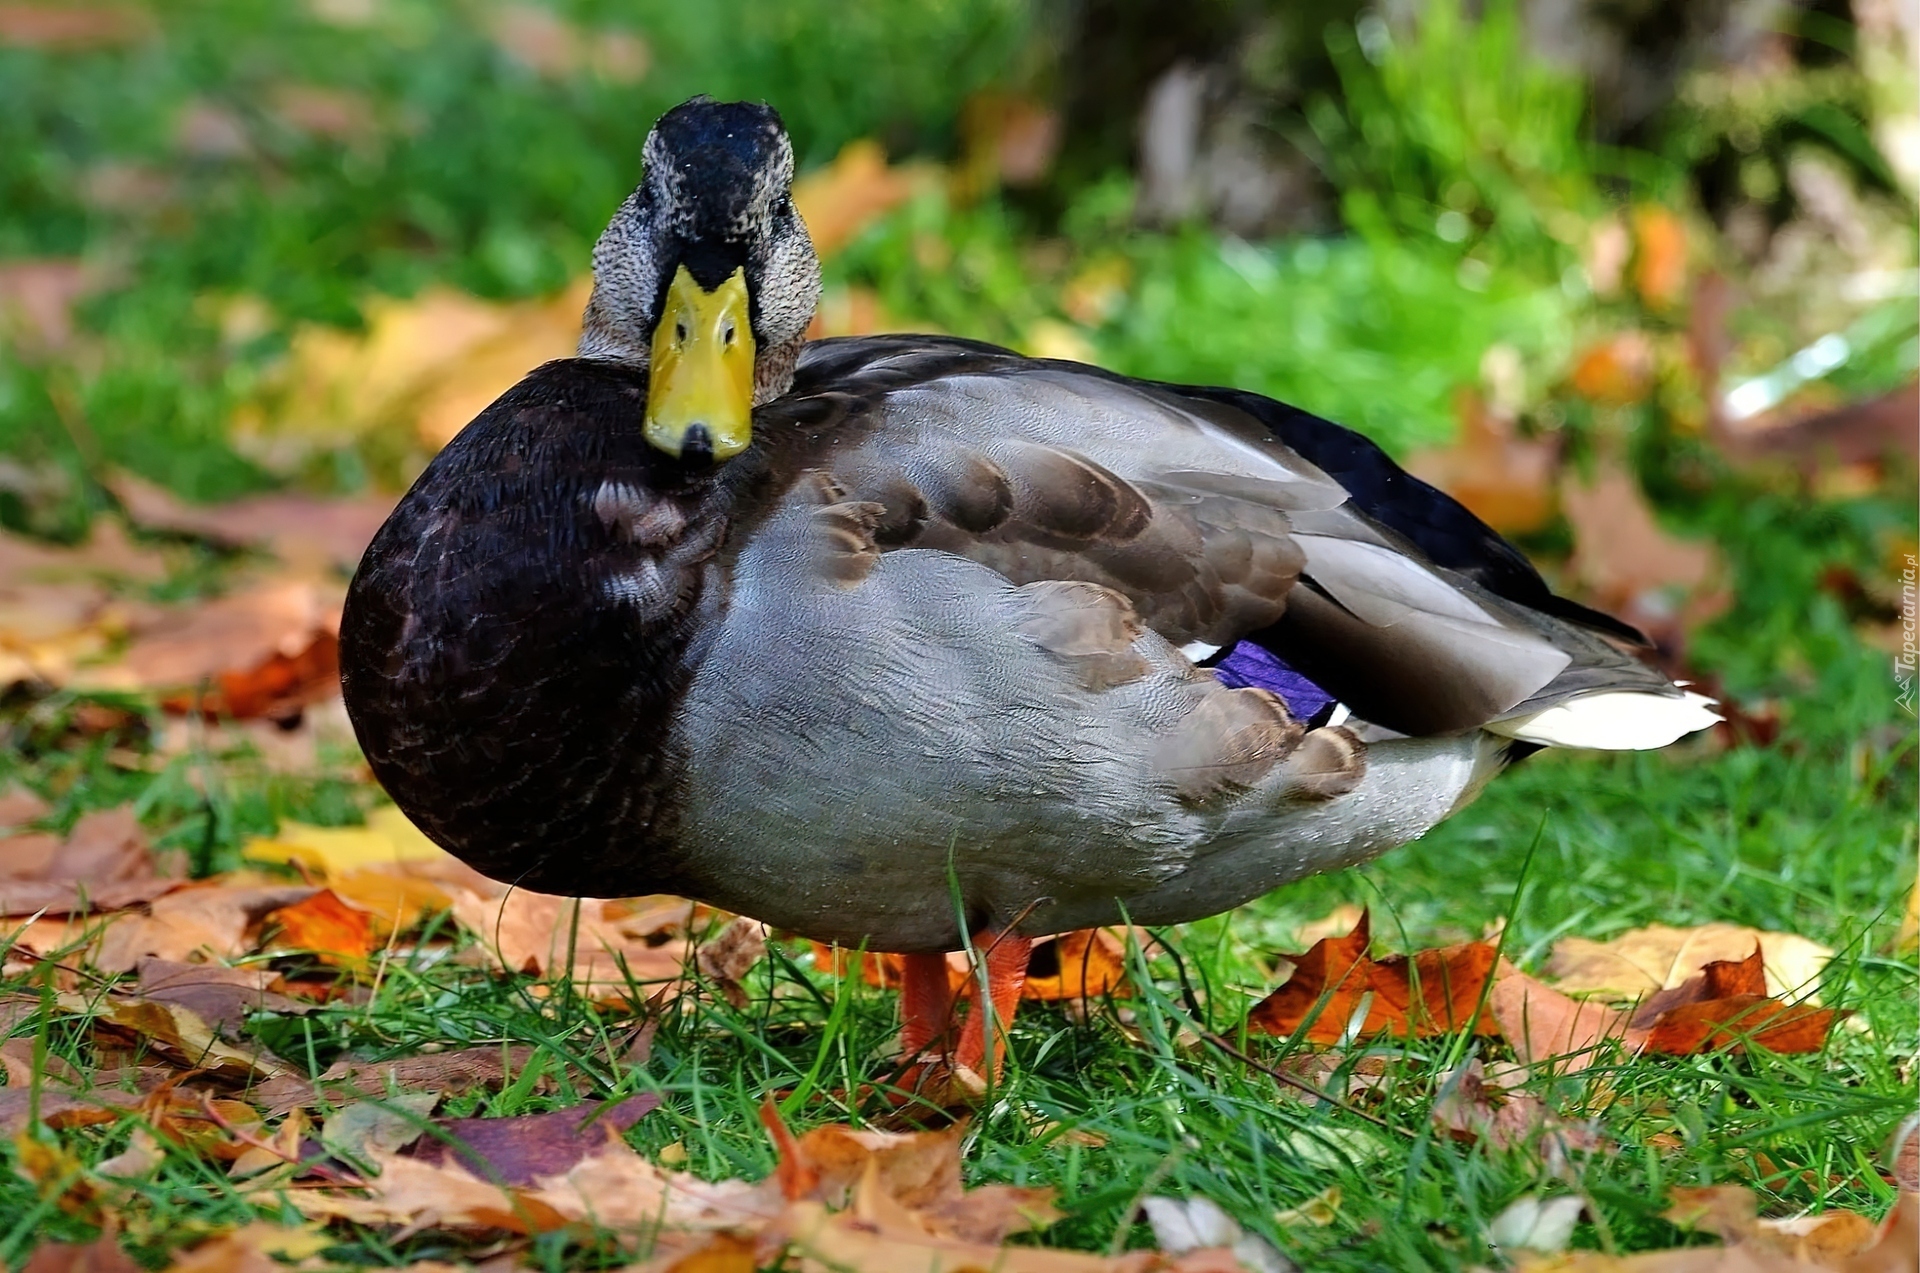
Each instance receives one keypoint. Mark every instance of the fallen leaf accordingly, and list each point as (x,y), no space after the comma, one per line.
(1318,1211)
(253,1248)
(208,917)
(102,1255)
(618,948)
(611,1186)
(244,642)
(1504,479)
(37,297)
(18,1063)
(818,1240)
(549,45)
(106,554)
(306,531)
(324,112)
(333,853)
(727,957)
(1191,1225)
(103,864)
(174,1028)
(323,925)
(1738,1020)
(1617,371)
(843,198)
(1659,256)
(60,1110)
(142,1157)
(519,1151)
(422,368)
(221,996)
(448,1073)
(1659,957)
(1537,1224)
(1330,984)
(1431,992)
(57,1176)
(367,1131)
(1543,1024)
(916,1171)
(105,846)
(1085,964)
(1627,563)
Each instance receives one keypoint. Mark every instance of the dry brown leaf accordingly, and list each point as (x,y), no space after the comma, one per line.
(448,1073)
(324,112)
(311,532)
(1337,982)
(37,297)
(56,610)
(220,996)
(1543,1024)
(105,846)
(1660,957)
(611,1186)
(549,45)
(17,1062)
(615,945)
(103,864)
(175,1028)
(916,1171)
(102,1255)
(726,958)
(1829,1240)
(207,917)
(108,553)
(230,637)
(252,1249)
(1626,562)
(875,1238)
(59,1109)
(520,1151)
(1506,480)
(1815,1244)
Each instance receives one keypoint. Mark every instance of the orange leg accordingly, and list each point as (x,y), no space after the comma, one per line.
(1005,955)
(926,1003)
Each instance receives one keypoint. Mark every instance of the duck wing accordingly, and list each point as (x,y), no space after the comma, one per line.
(1210,512)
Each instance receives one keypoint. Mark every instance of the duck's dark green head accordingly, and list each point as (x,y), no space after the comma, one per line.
(706,276)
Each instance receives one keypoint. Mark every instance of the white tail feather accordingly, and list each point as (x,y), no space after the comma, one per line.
(1613,720)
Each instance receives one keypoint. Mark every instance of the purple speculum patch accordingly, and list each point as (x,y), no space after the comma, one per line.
(1253,665)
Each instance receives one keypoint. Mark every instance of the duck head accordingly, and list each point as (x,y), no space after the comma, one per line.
(706,277)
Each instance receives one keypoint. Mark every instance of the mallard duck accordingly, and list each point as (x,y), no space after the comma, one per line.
(911,641)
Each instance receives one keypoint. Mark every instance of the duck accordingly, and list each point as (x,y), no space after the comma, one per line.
(918,644)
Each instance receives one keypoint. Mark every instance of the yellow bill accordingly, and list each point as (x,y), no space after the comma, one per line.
(702,372)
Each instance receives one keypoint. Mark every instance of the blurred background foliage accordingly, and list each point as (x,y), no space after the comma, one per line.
(249,245)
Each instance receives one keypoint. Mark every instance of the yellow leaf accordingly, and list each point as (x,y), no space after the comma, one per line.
(338,852)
